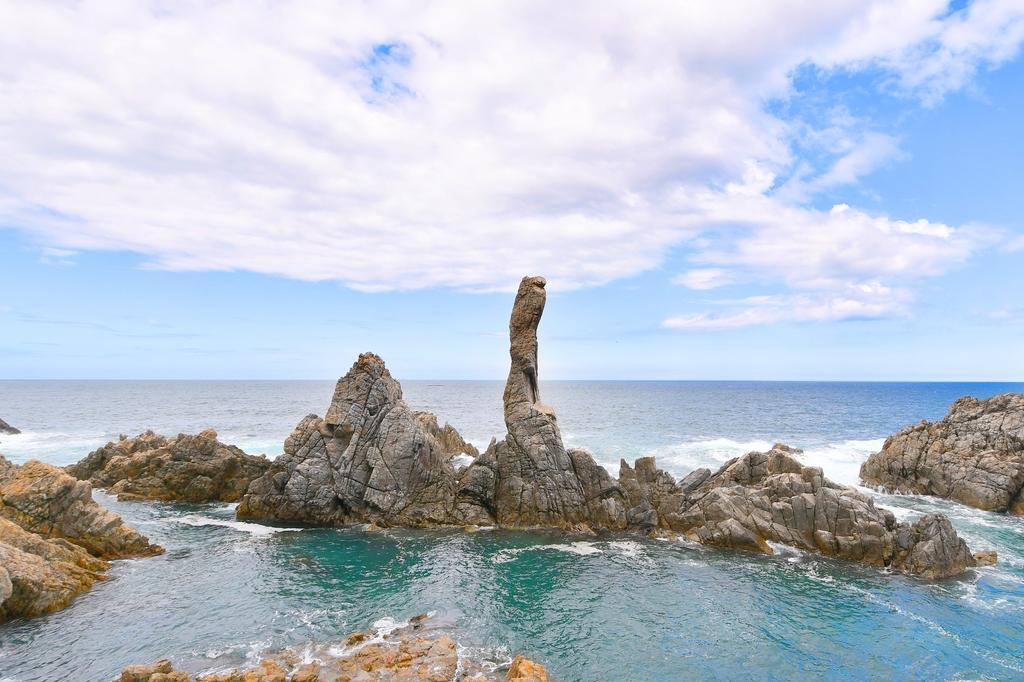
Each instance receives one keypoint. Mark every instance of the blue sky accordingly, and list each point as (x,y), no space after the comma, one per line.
(231,191)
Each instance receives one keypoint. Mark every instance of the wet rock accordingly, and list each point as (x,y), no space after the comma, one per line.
(765,497)
(184,468)
(6,428)
(45,500)
(974,456)
(370,460)
(986,558)
(408,654)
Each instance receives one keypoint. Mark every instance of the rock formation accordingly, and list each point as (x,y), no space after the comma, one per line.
(765,497)
(535,481)
(371,460)
(7,428)
(974,456)
(183,469)
(447,437)
(407,654)
(50,530)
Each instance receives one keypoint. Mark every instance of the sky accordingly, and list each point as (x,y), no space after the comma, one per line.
(739,190)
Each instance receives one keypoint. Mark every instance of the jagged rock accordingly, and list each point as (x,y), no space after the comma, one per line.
(974,456)
(370,460)
(408,654)
(447,437)
(771,497)
(986,558)
(184,468)
(38,576)
(44,499)
(536,482)
(7,428)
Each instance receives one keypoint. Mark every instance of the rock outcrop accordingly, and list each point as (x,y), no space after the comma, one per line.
(447,437)
(50,530)
(765,497)
(45,500)
(6,428)
(535,481)
(408,654)
(370,460)
(974,456)
(182,469)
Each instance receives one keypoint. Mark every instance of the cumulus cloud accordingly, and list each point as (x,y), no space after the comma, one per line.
(406,145)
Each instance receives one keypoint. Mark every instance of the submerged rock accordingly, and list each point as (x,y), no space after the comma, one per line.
(44,499)
(183,469)
(50,530)
(7,428)
(974,456)
(407,654)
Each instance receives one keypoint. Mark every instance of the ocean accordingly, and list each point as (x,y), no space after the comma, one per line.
(588,608)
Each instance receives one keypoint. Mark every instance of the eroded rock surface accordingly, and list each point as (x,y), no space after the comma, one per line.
(45,500)
(447,437)
(409,654)
(974,456)
(370,460)
(50,530)
(7,428)
(765,497)
(183,468)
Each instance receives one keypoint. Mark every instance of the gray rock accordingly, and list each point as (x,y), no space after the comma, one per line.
(765,497)
(447,437)
(184,468)
(370,460)
(975,456)
(7,428)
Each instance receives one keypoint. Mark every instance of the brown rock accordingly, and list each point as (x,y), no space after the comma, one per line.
(184,468)
(524,670)
(986,558)
(43,499)
(975,456)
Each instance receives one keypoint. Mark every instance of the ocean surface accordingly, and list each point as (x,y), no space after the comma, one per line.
(607,608)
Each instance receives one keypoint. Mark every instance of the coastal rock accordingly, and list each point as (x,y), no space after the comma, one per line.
(6,428)
(447,437)
(38,576)
(370,460)
(765,497)
(536,482)
(408,654)
(44,499)
(974,456)
(184,468)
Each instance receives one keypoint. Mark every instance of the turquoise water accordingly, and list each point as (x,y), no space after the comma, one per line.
(589,608)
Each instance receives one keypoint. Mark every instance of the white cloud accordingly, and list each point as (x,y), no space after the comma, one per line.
(866,301)
(578,141)
(704,278)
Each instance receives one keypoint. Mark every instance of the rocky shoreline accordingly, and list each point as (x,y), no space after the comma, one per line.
(55,540)
(409,653)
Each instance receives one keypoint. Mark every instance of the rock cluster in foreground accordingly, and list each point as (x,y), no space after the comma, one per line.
(974,456)
(183,468)
(6,428)
(55,540)
(403,655)
(371,460)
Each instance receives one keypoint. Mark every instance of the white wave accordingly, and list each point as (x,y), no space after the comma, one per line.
(241,526)
(841,461)
(579,548)
(57,448)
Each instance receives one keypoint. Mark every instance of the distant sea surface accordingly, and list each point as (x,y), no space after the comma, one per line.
(594,609)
